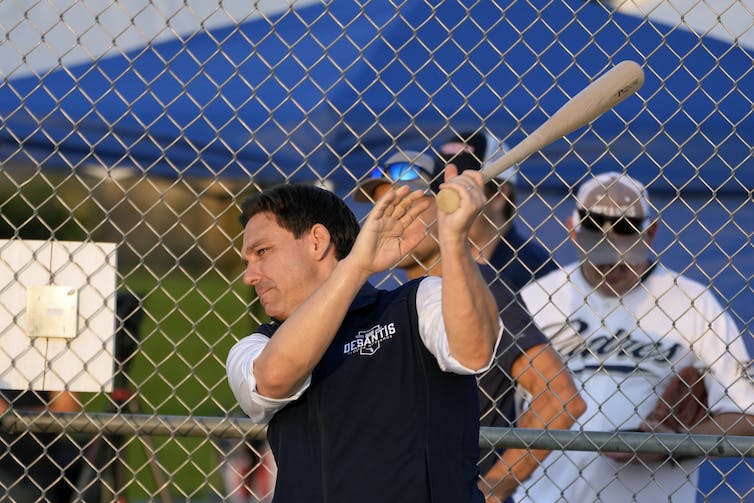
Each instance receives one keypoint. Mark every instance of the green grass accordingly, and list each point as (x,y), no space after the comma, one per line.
(188,329)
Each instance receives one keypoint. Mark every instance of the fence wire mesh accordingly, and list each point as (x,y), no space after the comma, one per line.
(131,131)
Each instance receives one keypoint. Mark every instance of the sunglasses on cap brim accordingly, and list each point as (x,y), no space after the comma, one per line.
(623,226)
(400,171)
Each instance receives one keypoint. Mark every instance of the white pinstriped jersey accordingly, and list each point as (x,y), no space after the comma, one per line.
(622,351)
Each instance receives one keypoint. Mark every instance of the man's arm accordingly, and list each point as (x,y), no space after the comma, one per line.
(469,310)
(555,404)
(300,342)
(683,404)
(722,404)
(302,339)
(727,423)
(64,401)
(683,408)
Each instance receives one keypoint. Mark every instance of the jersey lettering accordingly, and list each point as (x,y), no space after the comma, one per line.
(570,341)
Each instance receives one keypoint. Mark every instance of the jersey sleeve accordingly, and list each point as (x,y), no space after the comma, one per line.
(432,328)
(722,350)
(240,370)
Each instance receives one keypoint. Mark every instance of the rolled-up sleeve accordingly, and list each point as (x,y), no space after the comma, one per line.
(432,328)
(240,369)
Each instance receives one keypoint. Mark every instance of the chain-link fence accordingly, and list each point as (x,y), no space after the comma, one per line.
(131,130)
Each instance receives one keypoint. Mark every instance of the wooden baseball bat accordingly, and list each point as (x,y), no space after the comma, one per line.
(623,80)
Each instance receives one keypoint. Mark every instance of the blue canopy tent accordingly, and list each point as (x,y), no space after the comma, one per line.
(323,87)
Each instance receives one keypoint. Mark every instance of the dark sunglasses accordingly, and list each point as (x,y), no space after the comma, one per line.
(400,171)
(624,225)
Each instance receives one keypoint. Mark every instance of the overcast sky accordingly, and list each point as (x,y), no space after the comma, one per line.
(36,39)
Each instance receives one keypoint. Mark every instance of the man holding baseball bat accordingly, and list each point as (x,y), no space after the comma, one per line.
(626,325)
(523,353)
(370,395)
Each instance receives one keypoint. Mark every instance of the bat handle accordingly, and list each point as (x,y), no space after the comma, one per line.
(448,201)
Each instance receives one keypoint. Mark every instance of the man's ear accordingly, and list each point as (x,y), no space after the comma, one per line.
(570,225)
(651,232)
(320,241)
(499,200)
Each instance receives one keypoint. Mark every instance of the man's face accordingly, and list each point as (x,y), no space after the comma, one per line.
(615,258)
(279,267)
(612,232)
(427,253)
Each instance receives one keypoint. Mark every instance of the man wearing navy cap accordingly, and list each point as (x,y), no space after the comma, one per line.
(495,238)
(417,171)
(518,258)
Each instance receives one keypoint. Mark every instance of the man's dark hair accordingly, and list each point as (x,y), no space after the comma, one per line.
(297,208)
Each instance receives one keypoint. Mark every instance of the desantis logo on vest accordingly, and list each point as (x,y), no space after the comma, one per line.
(367,342)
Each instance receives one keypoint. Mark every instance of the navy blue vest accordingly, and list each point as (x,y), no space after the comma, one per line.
(380,421)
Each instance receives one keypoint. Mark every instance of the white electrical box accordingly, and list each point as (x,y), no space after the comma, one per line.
(57,315)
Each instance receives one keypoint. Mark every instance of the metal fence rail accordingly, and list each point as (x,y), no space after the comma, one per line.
(496,438)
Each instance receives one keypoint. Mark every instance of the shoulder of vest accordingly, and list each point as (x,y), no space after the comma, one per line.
(267,329)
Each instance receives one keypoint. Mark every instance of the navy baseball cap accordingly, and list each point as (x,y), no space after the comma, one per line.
(472,150)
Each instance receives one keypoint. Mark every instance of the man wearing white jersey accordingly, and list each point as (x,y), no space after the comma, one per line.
(625,325)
